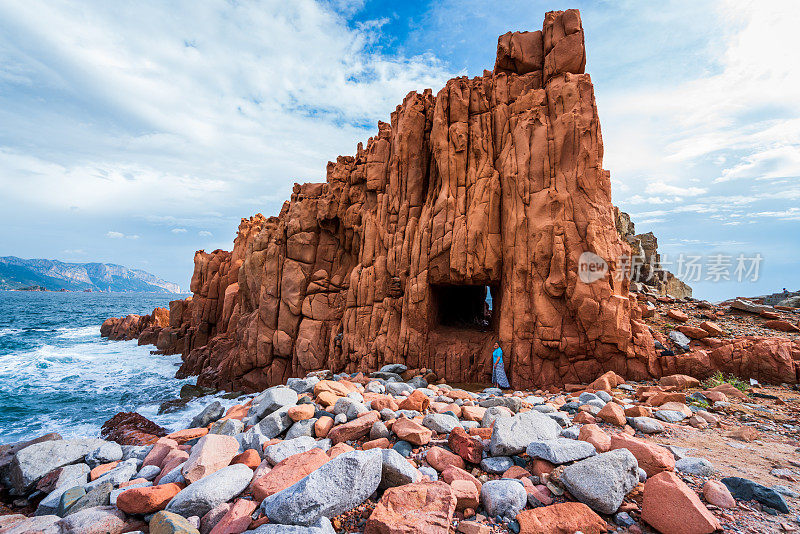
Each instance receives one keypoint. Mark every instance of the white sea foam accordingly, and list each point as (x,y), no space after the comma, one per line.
(8,331)
(79,333)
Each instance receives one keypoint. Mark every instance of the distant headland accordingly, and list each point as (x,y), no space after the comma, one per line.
(53,275)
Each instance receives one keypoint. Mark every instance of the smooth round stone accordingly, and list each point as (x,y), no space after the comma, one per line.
(496,465)
(404,448)
(670,416)
(695,466)
(430,472)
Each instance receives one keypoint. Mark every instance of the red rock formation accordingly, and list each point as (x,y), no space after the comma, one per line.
(136,326)
(131,428)
(495,182)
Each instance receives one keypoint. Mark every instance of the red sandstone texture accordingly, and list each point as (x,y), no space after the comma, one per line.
(495,181)
(131,428)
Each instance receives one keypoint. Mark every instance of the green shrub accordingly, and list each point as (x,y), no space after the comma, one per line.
(718,378)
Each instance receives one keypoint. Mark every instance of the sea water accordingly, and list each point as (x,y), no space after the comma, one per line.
(58,375)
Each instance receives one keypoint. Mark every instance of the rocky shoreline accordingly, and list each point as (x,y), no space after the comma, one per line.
(392,452)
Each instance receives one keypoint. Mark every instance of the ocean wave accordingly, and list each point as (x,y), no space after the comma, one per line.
(78,333)
(10,331)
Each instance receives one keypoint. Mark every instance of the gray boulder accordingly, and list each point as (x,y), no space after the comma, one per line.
(695,466)
(35,461)
(95,520)
(302,385)
(397,368)
(338,486)
(441,423)
(210,491)
(494,413)
(272,399)
(280,451)
(105,453)
(397,388)
(561,450)
(97,496)
(396,471)
(269,427)
(512,403)
(350,407)
(174,476)
(646,425)
(679,339)
(148,472)
(71,476)
(496,465)
(208,415)
(302,428)
(670,416)
(504,498)
(513,435)
(229,427)
(122,473)
(378,431)
(602,482)
(135,451)
(323,526)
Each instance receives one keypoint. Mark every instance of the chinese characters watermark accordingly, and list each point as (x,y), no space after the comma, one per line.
(717,267)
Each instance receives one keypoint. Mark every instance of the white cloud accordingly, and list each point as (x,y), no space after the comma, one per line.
(204,233)
(667,189)
(182,105)
(770,163)
(178,230)
(119,235)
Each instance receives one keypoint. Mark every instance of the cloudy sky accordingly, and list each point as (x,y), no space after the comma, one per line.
(136,133)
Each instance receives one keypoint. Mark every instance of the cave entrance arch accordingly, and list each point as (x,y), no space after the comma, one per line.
(463,324)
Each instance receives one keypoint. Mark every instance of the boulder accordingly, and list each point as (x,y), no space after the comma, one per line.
(441,423)
(602,481)
(35,461)
(147,500)
(717,493)
(513,435)
(211,490)
(208,415)
(96,520)
(669,505)
(504,498)
(650,457)
(355,429)
(165,522)
(210,454)
(743,489)
(288,472)
(561,450)
(282,450)
(396,470)
(561,518)
(469,448)
(105,453)
(336,487)
(412,432)
(418,507)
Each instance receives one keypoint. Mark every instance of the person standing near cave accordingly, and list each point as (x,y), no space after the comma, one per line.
(498,368)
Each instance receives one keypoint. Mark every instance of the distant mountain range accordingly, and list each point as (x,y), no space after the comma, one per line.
(54,275)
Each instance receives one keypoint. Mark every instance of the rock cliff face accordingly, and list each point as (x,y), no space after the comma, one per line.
(648,270)
(492,186)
